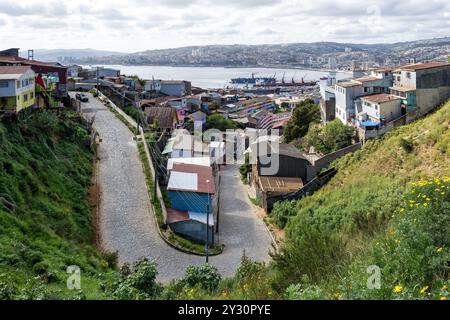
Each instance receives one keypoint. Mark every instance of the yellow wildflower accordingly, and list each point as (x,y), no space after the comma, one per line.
(398,289)
(443,298)
(439,250)
(445,287)
(424,289)
(425,204)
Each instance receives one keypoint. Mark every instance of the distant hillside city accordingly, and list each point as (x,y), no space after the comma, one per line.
(320,55)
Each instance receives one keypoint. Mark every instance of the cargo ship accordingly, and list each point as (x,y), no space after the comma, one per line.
(255,80)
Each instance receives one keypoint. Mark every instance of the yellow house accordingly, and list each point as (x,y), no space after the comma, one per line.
(17,88)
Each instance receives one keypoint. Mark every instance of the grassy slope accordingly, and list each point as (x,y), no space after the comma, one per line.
(45,175)
(331,230)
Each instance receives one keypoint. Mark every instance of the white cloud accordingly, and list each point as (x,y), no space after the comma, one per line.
(138,25)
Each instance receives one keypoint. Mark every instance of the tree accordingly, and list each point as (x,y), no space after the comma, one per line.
(329,138)
(213,106)
(304,114)
(219,122)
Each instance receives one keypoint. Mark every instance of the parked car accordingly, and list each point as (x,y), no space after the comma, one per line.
(82,97)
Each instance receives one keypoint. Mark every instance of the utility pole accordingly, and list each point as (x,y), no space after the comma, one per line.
(137,116)
(155,189)
(97,80)
(207,222)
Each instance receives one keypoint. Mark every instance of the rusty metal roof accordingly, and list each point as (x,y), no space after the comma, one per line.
(380,98)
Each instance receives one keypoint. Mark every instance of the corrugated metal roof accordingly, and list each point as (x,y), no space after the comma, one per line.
(423,66)
(174,216)
(202,183)
(200,161)
(380,98)
(201,217)
(183,181)
(13,72)
(280,184)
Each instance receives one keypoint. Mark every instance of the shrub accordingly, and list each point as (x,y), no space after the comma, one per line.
(136,283)
(407,145)
(206,276)
(304,292)
(304,114)
(111,258)
(7,289)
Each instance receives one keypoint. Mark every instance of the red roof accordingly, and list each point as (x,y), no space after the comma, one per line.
(367,79)
(203,174)
(174,216)
(14,59)
(14,69)
(423,66)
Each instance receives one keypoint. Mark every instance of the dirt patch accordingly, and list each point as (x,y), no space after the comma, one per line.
(94,201)
(279,235)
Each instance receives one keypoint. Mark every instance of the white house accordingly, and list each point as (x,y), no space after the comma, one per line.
(346,92)
(380,108)
(152,85)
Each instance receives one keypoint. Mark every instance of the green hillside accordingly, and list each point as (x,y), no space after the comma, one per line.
(45,224)
(388,206)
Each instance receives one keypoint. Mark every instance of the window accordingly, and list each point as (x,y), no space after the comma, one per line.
(408,75)
(25,97)
(4,84)
(376,107)
(18,84)
(32,95)
(366,89)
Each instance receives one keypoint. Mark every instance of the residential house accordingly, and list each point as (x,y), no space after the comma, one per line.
(217,152)
(277,168)
(198,117)
(107,72)
(191,190)
(164,117)
(54,74)
(180,145)
(176,88)
(327,98)
(346,92)
(245,108)
(73,71)
(153,86)
(198,161)
(177,103)
(423,85)
(17,88)
(379,109)
(267,120)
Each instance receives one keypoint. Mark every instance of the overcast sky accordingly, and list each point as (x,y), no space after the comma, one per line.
(137,25)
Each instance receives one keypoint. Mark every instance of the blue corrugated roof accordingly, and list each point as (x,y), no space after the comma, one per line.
(369,123)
